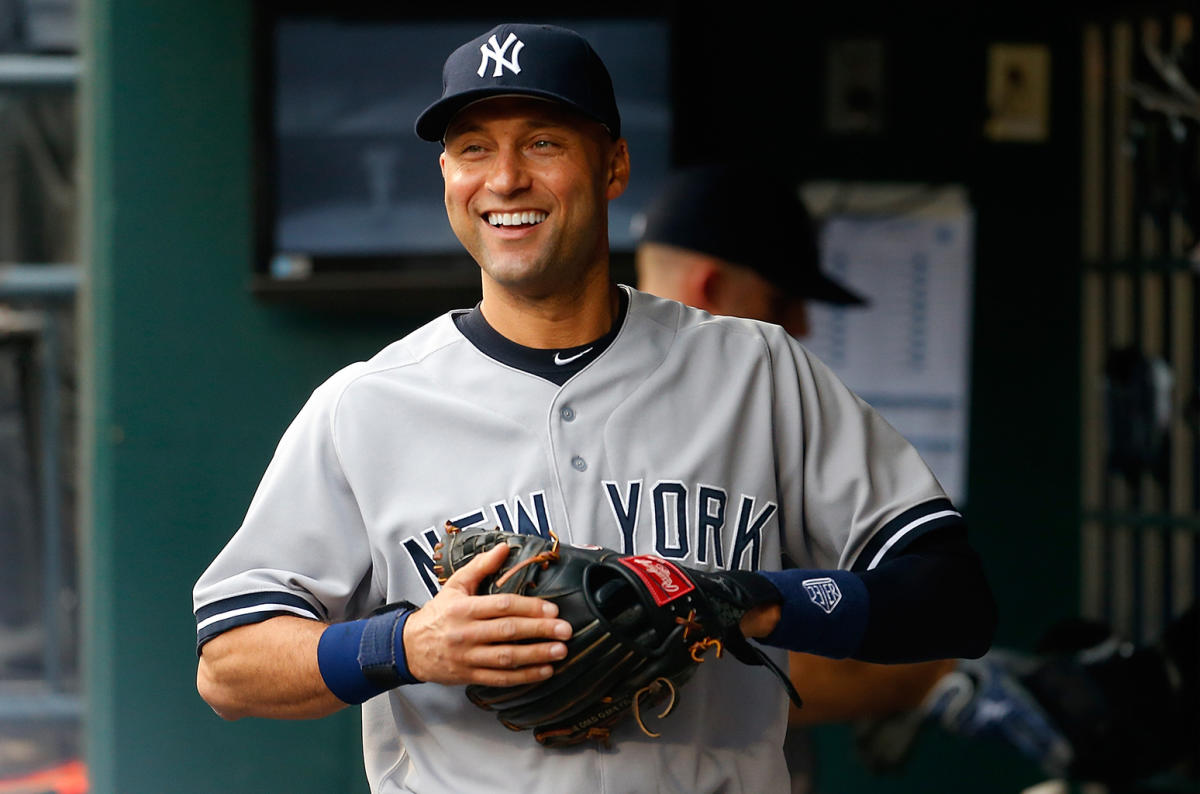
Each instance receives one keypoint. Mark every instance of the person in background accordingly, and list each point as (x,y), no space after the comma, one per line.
(737,241)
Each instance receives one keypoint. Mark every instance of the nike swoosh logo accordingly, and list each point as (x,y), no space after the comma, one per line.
(559,360)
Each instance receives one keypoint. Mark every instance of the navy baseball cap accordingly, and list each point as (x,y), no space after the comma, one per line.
(745,216)
(533,60)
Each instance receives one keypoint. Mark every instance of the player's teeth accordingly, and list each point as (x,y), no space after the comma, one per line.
(515,218)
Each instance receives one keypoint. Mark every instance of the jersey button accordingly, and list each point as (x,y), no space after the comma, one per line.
(579,463)
(567,413)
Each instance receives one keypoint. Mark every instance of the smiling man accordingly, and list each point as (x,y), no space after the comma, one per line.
(564,405)
(527,192)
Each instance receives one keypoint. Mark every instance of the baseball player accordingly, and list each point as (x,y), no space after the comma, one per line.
(563,403)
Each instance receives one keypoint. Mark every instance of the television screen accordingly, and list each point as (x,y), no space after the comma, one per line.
(350,187)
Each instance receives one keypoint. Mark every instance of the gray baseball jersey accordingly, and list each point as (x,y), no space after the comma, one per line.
(715,441)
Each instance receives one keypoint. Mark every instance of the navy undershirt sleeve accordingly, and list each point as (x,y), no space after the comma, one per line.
(930,600)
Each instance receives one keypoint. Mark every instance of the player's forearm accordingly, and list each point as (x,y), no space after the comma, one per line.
(840,690)
(266,669)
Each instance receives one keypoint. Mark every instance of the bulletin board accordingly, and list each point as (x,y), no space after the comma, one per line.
(908,249)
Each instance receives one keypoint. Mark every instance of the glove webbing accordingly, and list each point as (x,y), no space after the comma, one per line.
(543,558)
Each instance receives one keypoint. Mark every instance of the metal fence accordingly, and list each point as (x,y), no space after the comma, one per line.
(1141,343)
(41,706)
(40,659)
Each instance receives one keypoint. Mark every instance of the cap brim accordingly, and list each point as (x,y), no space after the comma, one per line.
(432,123)
(824,289)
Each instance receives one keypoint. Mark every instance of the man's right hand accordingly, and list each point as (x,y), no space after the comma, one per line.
(458,637)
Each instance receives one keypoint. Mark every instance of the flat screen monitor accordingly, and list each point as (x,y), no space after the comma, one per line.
(351,199)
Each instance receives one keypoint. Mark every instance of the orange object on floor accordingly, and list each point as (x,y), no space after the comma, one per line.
(66,778)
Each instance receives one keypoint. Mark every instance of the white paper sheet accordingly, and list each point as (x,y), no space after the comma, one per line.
(909,251)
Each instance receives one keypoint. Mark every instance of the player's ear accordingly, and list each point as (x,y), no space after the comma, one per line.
(442,163)
(795,318)
(704,284)
(618,169)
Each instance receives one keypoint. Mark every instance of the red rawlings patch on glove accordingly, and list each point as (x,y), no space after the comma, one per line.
(663,579)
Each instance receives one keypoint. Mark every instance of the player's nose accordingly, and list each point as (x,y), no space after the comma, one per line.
(507,173)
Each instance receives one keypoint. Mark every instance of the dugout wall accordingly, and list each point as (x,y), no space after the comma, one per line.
(189,384)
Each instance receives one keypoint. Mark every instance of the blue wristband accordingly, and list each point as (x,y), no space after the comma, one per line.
(823,612)
(360,659)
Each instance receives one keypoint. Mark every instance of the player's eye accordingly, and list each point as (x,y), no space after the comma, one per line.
(466,146)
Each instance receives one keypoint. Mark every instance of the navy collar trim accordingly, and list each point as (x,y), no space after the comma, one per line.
(556,365)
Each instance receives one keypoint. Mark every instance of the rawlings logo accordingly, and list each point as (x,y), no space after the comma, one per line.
(659,569)
(663,579)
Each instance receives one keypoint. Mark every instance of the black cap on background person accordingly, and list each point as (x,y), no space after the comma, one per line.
(744,216)
(734,240)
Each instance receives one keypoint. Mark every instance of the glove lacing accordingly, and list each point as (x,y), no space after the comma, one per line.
(650,689)
(698,647)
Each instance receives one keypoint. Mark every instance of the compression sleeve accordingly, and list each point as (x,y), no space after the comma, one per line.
(929,601)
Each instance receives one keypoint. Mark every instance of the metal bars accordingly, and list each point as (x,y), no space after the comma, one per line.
(1141,476)
(46,287)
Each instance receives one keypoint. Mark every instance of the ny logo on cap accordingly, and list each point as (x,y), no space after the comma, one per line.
(493,51)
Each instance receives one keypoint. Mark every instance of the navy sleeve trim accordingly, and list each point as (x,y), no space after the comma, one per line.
(228,613)
(897,534)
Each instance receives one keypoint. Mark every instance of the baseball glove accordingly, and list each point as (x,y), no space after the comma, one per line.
(641,626)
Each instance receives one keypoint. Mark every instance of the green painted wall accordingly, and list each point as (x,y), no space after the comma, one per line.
(189,383)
